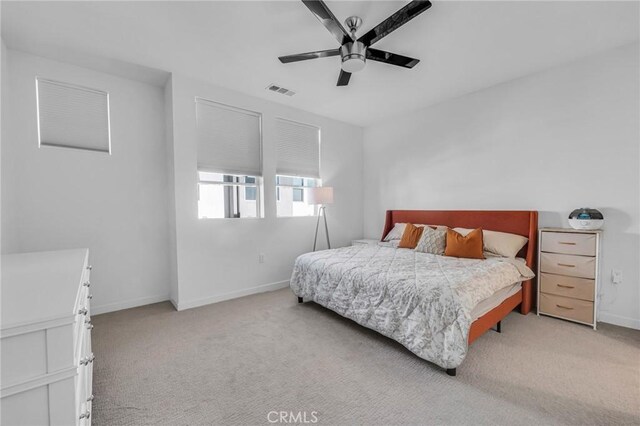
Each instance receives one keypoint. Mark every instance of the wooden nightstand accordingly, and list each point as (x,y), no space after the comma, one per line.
(364,241)
(568,274)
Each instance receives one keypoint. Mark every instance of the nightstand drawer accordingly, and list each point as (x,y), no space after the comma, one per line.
(560,285)
(565,307)
(568,243)
(565,264)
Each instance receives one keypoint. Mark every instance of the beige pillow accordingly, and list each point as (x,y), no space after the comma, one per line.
(397,231)
(500,243)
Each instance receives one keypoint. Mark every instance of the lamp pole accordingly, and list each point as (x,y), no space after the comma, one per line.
(321,212)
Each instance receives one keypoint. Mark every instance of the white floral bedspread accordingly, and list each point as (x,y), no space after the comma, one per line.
(421,300)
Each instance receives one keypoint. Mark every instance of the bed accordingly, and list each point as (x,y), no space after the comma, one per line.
(435,306)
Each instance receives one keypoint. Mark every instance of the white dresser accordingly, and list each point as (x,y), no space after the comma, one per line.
(568,272)
(47,363)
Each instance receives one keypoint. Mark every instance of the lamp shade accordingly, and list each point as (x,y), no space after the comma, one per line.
(320,195)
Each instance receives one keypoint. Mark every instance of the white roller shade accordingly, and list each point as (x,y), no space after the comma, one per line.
(72,116)
(229,139)
(297,149)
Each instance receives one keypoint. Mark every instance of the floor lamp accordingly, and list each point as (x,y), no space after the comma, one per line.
(322,196)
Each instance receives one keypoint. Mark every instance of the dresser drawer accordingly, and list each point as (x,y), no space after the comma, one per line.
(568,243)
(565,264)
(561,285)
(566,307)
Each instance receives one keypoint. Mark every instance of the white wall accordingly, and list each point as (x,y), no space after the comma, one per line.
(218,258)
(116,205)
(4,90)
(554,141)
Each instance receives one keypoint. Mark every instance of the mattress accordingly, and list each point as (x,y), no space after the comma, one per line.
(494,300)
(423,301)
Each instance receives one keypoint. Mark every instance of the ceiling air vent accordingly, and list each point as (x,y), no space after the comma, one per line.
(281,90)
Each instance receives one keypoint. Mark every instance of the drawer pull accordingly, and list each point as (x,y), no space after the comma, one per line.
(566,265)
(87,284)
(566,243)
(85,415)
(564,307)
(82,311)
(91,398)
(565,286)
(90,296)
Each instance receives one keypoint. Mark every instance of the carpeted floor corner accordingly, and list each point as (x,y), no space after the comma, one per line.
(235,362)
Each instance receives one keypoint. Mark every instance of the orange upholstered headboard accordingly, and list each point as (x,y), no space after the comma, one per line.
(520,222)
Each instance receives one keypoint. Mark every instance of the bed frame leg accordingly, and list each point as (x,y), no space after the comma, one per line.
(451,372)
(300,300)
(499,327)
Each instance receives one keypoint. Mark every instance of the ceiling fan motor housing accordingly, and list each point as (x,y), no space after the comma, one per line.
(353,56)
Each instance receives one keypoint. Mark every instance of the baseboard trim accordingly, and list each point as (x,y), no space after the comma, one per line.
(126,304)
(181,306)
(619,320)
(174,303)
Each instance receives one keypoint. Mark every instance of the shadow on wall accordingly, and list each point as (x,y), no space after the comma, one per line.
(616,218)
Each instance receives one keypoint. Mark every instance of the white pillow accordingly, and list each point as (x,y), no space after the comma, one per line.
(500,243)
(397,231)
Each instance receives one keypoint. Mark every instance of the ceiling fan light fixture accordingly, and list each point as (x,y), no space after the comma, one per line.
(353,56)
(354,51)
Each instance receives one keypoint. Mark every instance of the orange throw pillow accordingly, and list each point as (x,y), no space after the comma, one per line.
(410,237)
(469,247)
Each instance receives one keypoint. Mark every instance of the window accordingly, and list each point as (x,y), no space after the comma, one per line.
(71,116)
(227,196)
(297,167)
(250,192)
(229,161)
(291,196)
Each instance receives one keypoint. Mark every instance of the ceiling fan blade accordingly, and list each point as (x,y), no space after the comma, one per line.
(395,21)
(309,55)
(328,19)
(344,77)
(391,58)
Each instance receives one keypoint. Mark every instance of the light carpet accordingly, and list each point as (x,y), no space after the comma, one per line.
(236,361)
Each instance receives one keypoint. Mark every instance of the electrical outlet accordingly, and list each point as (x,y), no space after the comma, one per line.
(616,276)
(261,258)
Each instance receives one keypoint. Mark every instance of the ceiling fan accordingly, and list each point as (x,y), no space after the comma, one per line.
(355,52)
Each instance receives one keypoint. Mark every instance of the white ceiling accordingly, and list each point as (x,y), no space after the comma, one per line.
(463,46)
